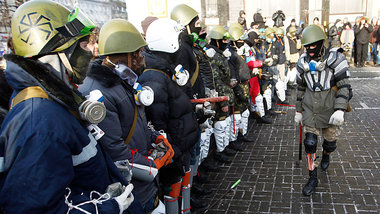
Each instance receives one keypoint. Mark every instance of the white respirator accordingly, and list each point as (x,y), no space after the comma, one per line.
(181,75)
(144,94)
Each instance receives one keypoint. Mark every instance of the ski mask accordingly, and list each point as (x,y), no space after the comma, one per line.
(316,52)
(80,60)
(195,26)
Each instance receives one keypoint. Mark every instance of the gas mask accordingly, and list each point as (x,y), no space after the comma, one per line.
(93,109)
(144,94)
(315,66)
(181,75)
(123,71)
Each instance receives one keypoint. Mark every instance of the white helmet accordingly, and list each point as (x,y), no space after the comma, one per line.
(162,35)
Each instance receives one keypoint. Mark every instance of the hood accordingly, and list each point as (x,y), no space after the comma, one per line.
(25,72)
(103,74)
(153,60)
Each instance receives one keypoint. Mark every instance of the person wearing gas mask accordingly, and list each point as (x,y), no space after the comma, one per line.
(278,18)
(127,135)
(188,17)
(237,63)
(50,160)
(281,85)
(171,110)
(334,34)
(292,49)
(292,24)
(257,89)
(224,83)
(322,96)
(272,54)
(241,20)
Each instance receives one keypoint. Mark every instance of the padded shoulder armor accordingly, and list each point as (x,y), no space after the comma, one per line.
(302,65)
(335,57)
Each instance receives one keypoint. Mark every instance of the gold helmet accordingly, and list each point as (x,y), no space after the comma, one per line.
(183,14)
(41,27)
(119,36)
(236,31)
(218,32)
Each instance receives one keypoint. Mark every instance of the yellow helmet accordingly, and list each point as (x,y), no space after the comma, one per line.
(236,31)
(119,36)
(183,14)
(42,27)
(218,32)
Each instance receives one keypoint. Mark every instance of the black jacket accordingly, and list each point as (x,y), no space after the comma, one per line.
(278,18)
(171,110)
(362,35)
(120,104)
(189,62)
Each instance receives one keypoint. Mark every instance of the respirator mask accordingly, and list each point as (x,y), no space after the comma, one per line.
(181,75)
(144,94)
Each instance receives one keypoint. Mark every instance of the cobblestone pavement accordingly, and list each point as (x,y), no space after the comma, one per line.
(271,179)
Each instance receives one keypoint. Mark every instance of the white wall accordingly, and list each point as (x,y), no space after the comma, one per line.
(138,9)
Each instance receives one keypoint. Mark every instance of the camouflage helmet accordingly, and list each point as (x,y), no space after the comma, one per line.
(119,36)
(183,14)
(311,34)
(218,32)
(41,27)
(235,31)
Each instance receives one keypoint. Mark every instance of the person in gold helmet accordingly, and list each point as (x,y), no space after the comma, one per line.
(50,162)
(127,135)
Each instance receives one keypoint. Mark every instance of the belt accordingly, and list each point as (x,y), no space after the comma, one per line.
(237,112)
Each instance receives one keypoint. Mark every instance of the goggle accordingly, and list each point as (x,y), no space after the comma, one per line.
(78,24)
(227,36)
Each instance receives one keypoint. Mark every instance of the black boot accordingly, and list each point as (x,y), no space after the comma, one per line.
(325,162)
(210,167)
(243,138)
(201,178)
(198,203)
(265,120)
(310,186)
(235,146)
(229,152)
(199,191)
(222,157)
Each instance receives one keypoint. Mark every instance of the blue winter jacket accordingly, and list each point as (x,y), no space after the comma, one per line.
(46,153)
(120,104)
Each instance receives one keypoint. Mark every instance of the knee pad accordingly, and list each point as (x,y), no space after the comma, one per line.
(329,146)
(311,142)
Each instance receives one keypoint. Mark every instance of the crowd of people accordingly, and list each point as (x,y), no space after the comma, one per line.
(114,120)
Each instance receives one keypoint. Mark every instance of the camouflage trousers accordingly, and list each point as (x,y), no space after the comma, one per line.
(330,133)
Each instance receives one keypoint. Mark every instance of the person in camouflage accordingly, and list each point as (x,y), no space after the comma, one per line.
(222,77)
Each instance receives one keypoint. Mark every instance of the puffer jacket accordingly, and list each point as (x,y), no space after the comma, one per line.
(171,110)
(44,150)
(120,104)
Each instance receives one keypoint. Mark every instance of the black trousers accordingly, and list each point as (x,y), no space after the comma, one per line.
(361,53)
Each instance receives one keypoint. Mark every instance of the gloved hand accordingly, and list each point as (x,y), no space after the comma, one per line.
(125,199)
(255,71)
(167,158)
(268,61)
(298,118)
(337,118)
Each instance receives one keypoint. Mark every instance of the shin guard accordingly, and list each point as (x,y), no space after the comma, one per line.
(186,192)
(171,205)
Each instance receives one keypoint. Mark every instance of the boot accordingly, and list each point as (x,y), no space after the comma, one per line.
(235,146)
(222,157)
(229,152)
(198,203)
(265,120)
(199,191)
(210,167)
(325,162)
(243,138)
(201,178)
(311,184)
